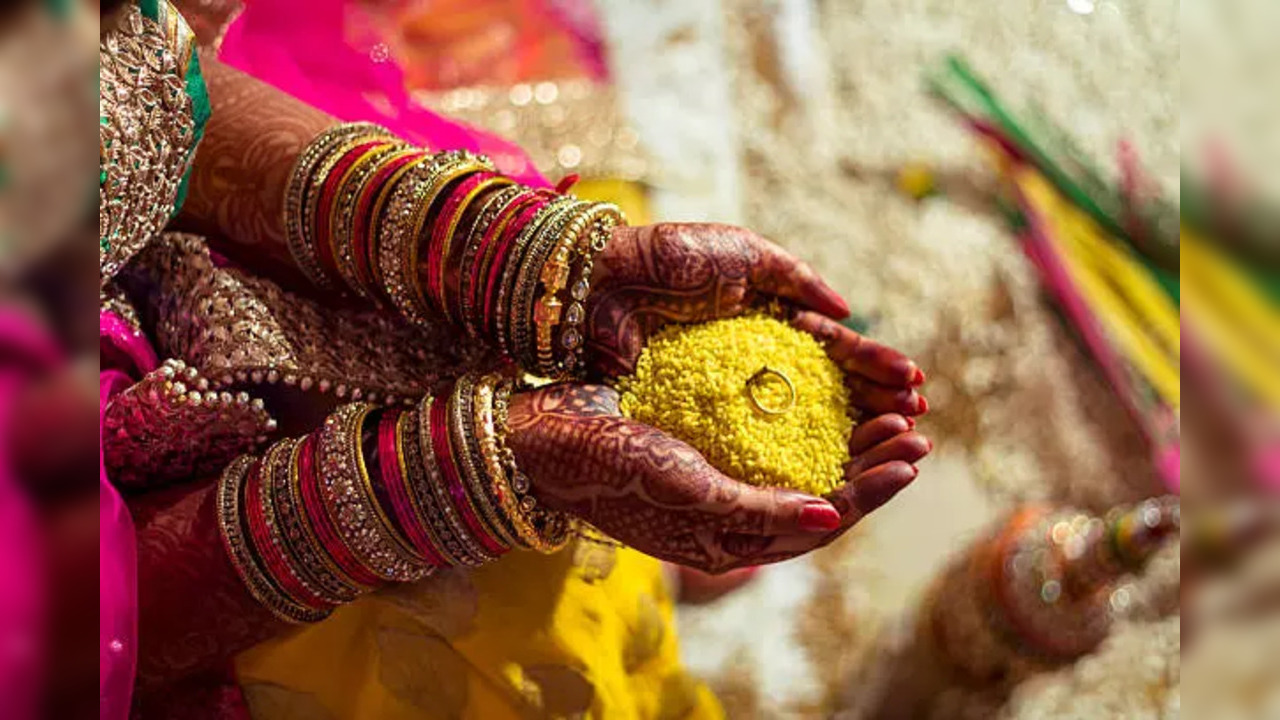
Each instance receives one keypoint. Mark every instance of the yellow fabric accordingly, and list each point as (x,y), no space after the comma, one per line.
(586,632)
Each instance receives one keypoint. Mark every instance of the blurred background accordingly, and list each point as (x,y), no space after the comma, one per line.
(1002,190)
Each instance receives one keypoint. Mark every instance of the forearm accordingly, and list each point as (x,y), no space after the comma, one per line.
(375,496)
(242,166)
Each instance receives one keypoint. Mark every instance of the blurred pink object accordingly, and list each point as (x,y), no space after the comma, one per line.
(306,52)
(117,577)
(24,349)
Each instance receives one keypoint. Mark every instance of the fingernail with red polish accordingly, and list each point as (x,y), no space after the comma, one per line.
(918,378)
(923,405)
(911,423)
(819,517)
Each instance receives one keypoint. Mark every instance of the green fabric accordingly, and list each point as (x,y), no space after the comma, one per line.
(200,111)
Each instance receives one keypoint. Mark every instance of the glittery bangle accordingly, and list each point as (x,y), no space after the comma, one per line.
(300,541)
(444,452)
(449,174)
(511,269)
(552,529)
(520,314)
(502,247)
(436,495)
(345,208)
(264,530)
(235,541)
(495,472)
(479,238)
(394,479)
(377,502)
(341,464)
(373,194)
(468,455)
(571,337)
(554,276)
(322,522)
(301,178)
(443,233)
(418,478)
(323,231)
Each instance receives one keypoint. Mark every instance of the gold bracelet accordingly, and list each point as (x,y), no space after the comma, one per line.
(236,542)
(471,254)
(552,529)
(464,440)
(487,439)
(515,276)
(465,547)
(343,213)
(340,464)
(554,276)
(301,179)
(447,245)
(572,337)
(526,287)
(332,579)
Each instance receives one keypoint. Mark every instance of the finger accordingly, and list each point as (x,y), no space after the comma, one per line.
(872,489)
(775,511)
(876,430)
(878,399)
(859,354)
(782,274)
(908,447)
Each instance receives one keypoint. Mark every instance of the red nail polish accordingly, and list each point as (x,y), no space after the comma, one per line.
(819,518)
(924,405)
(911,423)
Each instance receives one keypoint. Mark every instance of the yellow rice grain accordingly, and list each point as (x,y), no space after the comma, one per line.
(691,381)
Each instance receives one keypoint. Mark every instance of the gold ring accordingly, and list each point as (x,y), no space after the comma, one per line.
(751,391)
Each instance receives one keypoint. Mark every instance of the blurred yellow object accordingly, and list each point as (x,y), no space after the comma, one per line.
(916,180)
(758,398)
(1232,319)
(1139,316)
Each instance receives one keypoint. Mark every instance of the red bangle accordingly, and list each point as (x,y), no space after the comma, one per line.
(393,481)
(500,258)
(453,479)
(443,234)
(278,569)
(323,524)
(485,253)
(361,226)
(323,239)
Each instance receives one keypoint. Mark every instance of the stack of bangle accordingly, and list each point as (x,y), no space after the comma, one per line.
(444,235)
(381,495)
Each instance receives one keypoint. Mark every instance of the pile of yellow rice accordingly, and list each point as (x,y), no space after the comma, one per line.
(691,381)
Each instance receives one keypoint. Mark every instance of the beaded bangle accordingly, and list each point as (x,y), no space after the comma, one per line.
(392,532)
(263,529)
(301,540)
(521,315)
(479,487)
(444,452)
(479,239)
(447,174)
(324,233)
(394,482)
(301,177)
(540,265)
(342,465)
(550,530)
(495,470)
(513,263)
(323,523)
(554,276)
(594,242)
(346,208)
(444,229)
(457,539)
(372,196)
(524,212)
(235,541)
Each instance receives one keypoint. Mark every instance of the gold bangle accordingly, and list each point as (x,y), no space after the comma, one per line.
(464,434)
(554,276)
(340,466)
(572,337)
(487,439)
(331,578)
(401,544)
(447,245)
(488,214)
(420,476)
(548,530)
(471,553)
(510,273)
(446,174)
(762,373)
(302,178)
(342,217)
(235,541)
(520,313)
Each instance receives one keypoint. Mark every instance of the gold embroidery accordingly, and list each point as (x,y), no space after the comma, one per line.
(145,137)
(239,330)
(172,426)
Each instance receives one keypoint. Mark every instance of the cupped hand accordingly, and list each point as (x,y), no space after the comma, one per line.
(651,276)
(660,496)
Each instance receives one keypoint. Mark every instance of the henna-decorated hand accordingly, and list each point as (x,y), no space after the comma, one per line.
(651,276)
(660,496)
